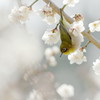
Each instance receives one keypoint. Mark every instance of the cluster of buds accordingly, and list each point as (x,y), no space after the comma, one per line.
(78,17)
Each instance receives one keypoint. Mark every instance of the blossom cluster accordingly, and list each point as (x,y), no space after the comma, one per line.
(77,28)
(47,14)
(77,57)
(51,37)
(20,14)
(65,91)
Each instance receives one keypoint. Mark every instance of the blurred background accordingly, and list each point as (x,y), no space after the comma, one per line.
(22,56)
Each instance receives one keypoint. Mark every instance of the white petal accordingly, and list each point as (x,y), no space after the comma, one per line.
(51,38)
(65,91)
(77,57)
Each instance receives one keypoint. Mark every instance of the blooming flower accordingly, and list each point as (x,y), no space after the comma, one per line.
(51,37)
(77,57)
(94,26)
(78,37)
(19,15)
(66,91)
(74,31)
(79,26)
(47,14)
(70,3)
(96,66)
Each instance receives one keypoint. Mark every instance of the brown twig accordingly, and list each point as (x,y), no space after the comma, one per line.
(85,46)
(33,3)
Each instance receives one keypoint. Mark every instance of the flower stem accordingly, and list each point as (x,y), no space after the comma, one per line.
(60,15)
(63,7)
(89,31)
(57,25)
(33,3)
(86,45)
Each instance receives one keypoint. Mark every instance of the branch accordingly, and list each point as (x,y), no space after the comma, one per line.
(90,37)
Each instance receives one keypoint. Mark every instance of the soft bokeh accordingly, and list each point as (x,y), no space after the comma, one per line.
(21,56)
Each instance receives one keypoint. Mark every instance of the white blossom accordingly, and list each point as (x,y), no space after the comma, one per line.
(51,37)
(77,57)
(35,95)
(96,66)
(50,55)
(19,14)
(94,26)
(52,51)
(52,61)
(55,50)
(79,26)
(74,31)
(76,36)
(48,52)
(47,14)
(70,3)
(81,37)
(66,91)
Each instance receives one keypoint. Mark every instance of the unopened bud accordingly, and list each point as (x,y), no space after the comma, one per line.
(78,17)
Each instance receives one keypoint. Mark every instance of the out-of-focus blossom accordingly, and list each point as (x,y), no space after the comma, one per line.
(19,14)
(51,36)
(97,96)
(35,95)
(55,50)
(52,51)
(70,3)
(95,26)
(52,61)
(47,14)
(19,52)
(50,55)
(66,91)
(48,52)
(77,57)
(96,66)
